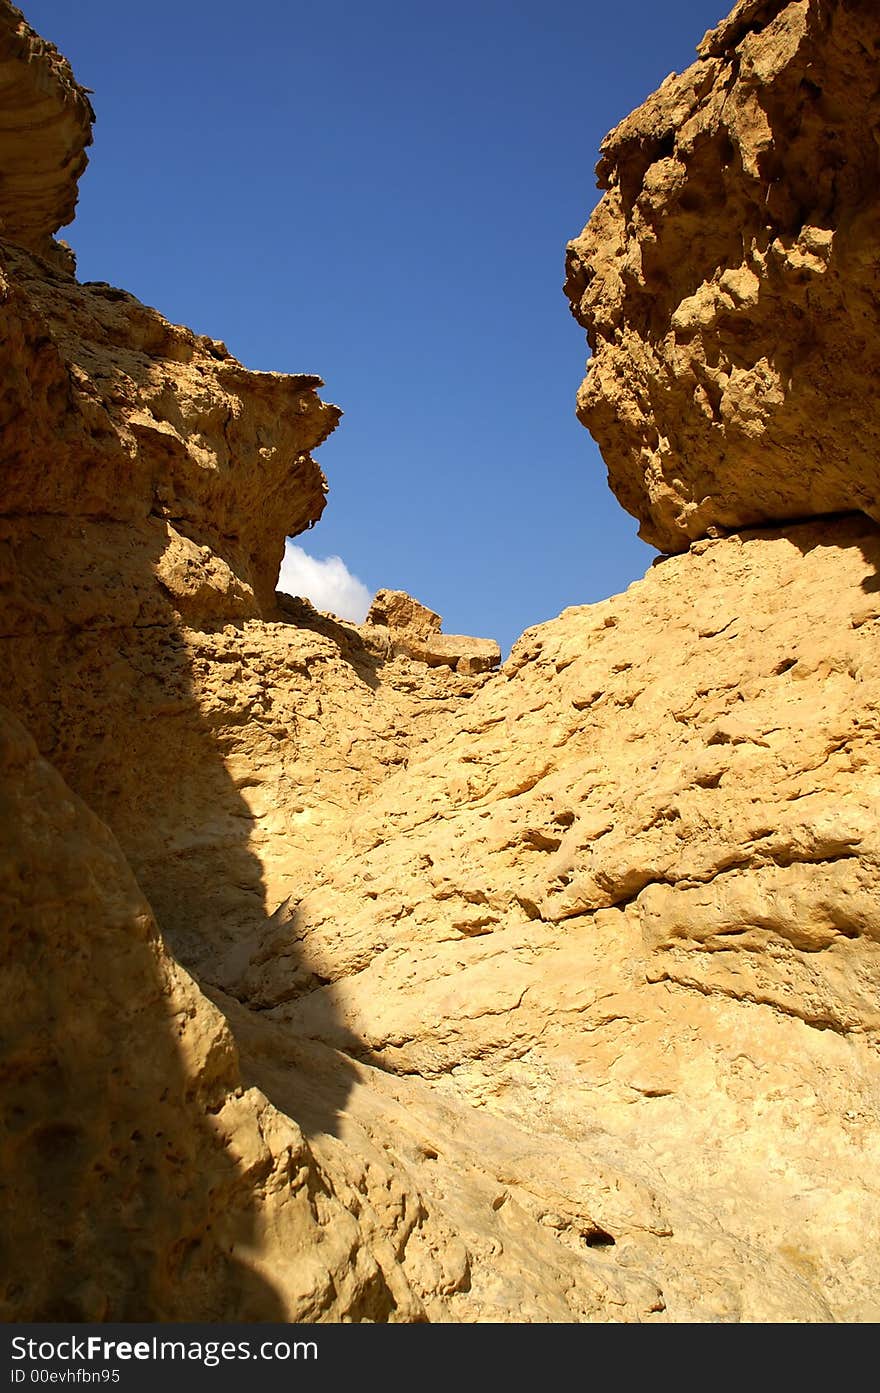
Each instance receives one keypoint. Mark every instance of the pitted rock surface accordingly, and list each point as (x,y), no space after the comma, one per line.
(344,978)
(727,280)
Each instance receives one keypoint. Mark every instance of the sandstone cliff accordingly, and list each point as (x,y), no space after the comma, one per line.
(544,994)
(39,97)
(727,280)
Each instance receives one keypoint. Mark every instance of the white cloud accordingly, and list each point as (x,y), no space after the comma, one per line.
(329,584)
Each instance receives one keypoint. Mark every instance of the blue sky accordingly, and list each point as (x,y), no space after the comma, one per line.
(381,193)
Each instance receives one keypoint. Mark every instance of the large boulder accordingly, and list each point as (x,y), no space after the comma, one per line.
(728,279)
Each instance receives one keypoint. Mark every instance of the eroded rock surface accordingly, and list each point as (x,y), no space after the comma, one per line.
(415,631)
(45,127)
(148,481)
(625,901)
(140,1179)
(170,461)
(728,279)
(371,984)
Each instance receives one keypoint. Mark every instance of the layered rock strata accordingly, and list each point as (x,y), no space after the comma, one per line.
(45,127)
(544,994)
(625,903)
(415,631)
(148,481)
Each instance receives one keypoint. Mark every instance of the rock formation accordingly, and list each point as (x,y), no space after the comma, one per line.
(727,279)
(344,978)
(414,630)
(46,127)
(142,1180)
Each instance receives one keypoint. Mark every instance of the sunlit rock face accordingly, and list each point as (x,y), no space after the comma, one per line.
(345,978)
(728,279)
(45,127)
